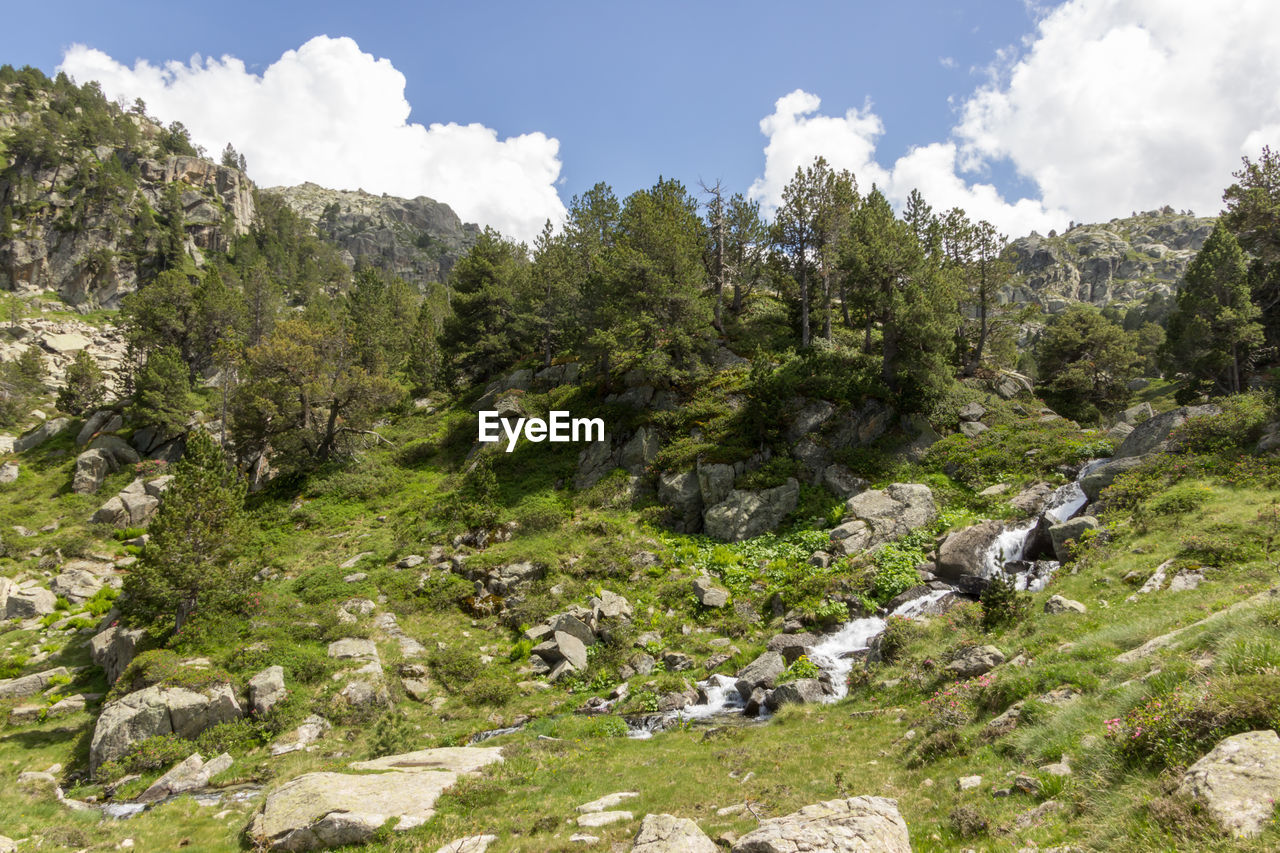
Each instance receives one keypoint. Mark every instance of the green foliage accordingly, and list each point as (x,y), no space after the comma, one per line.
(162,392)
(190,560)
(444,590)
(392,734)
(489,691)
(165,667)
(1002,604)
(899,632)
(84,387)
(1088,360)
(1243,420)
(801,667)
(454,668)
(492,323)
(1008,451)
(159,752)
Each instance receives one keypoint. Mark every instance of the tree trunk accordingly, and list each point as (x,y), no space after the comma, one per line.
(804,303)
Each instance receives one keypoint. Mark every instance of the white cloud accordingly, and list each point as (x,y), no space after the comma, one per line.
(330,113)
(1109,106)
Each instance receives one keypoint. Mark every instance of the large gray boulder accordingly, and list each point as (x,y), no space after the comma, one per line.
(764,672)
(1238,782)
(29,685)
(321,810)
(961,553)
(92,467)
(117,448)
(40,434)
(103,420)
(1070,531)
(715,482)
(708,594)
(77,585)
(811,416)
(1105,474)
(1152,436)
(266,689)
(975,660)
(29,602)
(853,825)
(114,649)
(132,507)
(664,833)
(159,710)
(681,494)
(746,514)
(802,691)
(190,774)
(881,515)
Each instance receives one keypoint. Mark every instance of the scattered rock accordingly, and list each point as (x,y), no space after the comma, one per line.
(664,833)
(114,648)
(597,819)
(761,672)
(1238,782)
(854,825)
(968,783)
(745,514)
(962,552)
(470,844)
(608,801)
(1062,535)
(877,516)
(29,603)
(266,689)
(192,774)
(976,660)
(311,730)
(158,710)
(40,434)
(1058,604)
(708,594)
(30,685)
(1152,436)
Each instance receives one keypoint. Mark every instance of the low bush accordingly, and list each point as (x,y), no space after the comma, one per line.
(454,668)
(146,756)
(489,691)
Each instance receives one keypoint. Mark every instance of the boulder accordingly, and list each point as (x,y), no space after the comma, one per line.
(1238,782)
(639,452)
(568,623)
(1105,474)
(92,467)
(745,514)
(802,691)
(1032,499)
(710,595)
(843,482)
(29,685)
(764,671)
(975,660)
(114,648)
(961,553)
(1135,415)
(40,434)
(352,648)
(1070,531)
(664,833)
(853,825)
(972,429)
(1152,436)
(792,646)
(311,730)
(159,710)
(468,844)
(970,412)
(191,774)
(1119,432)
(1009,385)
(266,689)
(571,649)
(117,448)
(8,473)
(860,426)
(609,606)
(681,494)
(715,482)
(29,602)
(811,417)
(878,516)
(77,585)
(103,420)
(1058,604)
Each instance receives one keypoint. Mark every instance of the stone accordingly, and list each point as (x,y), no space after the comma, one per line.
(842,482)
(76,585)
(38,782)
(266,689)
(1119,432)
(571,649)
(1032,499)
(609,605)
(608,801)
(191,774)
(664,833)
(715,482)
(8,474)
(994,491)
(744,514)
(470,844)
(853,825)
(158,710)
(113,649)
(322,810)
(1238,782)
(567,623)
(792,646)
(880,515)
(710,595)
(802,691)
(597,819)
(681,494)
(310,731)
(972,412)
(1070,531)
(103,420)
(351,648)
(973,429)
(968,783)
(120,451)
(764,672)
(1187,579)
(8,845)
(975,660)
(454,759)
(70,705)
(20,715)
(1105,474)
(1135,415)
(40,434)
(1058,604)
(29,603)
(677,661)
(961,553)
(1152,436)
(92,467)
(30,685)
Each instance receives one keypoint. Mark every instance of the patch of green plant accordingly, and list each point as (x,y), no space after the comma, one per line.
(159,752)
(454,668)
(1002,603)
(392,734)
(801,667)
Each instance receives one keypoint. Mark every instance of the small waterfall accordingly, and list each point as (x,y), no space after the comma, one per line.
(1012,544)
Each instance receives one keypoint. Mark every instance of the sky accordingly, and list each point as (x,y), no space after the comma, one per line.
(1028,114)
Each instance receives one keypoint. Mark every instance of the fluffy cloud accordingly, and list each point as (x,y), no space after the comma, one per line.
(330,113)
(1110,106)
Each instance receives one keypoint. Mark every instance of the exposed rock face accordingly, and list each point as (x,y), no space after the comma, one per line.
(1058,604)
(1067,532)
(133,506)
(89,263)
(321,810)
(92,467)
(158,710)
(875,517)
(802,691)
(961,552)
(114,649)
(710,595)
(29,685)
(40,434)
(1122,261)
(417,239)
(664,833)
(1238,781)
(854,825)
(744,514)
(761,672)
(1104,475)
(29,602)
(1152,436)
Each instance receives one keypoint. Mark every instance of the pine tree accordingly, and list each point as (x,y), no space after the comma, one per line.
(188,565)
(84,387)
(1214,332)
(162,392)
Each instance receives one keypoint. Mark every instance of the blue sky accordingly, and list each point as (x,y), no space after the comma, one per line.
(1001,101)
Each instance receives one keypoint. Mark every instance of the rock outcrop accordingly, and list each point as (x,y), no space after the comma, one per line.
(853,825)
(875,517)
(1238,782)
(744,514)
(664,833)
(159,710)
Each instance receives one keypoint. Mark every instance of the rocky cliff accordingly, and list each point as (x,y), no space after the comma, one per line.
(82,192)
(417,239)
(1122,262)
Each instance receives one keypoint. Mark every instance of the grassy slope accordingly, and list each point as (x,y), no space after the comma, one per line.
(804,755)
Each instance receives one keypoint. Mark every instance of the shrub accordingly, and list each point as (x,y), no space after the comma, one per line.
(1243,419)
(898,632)
(101,601)
(146,756)
(444,590)
(967,822)
(801,667)
(490,690)
(392,734)
(1181,499)
(955,704)
(234,736)
(1002,604)
(453,668)
(162,666)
